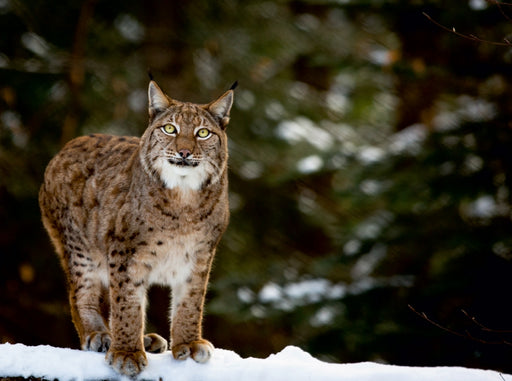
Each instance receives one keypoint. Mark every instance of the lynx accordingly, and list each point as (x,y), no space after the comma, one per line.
(124,213)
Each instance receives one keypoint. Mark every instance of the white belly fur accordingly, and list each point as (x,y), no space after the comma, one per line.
(172,266)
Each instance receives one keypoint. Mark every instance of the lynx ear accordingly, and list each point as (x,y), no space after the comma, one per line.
(158,101)
(220,108)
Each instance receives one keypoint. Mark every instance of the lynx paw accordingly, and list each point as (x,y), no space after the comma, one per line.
(98,341)
(200,350)
(129,363)
(154,343)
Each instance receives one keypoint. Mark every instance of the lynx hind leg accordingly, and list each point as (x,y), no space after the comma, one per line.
(90,318)
(97,341)
(88,298)
(89,304)
(154,343)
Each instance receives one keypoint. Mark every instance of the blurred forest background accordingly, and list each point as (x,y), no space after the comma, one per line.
(371,165)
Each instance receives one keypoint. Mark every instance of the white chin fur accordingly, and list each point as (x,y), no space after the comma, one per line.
(174,176)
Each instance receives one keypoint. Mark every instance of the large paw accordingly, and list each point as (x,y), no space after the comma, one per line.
(154,343)
(98,341)
(129,363)
(200,350)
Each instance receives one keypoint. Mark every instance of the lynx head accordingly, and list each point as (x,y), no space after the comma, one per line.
(185,144)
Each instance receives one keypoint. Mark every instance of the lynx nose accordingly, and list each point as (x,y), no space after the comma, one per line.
(184,153)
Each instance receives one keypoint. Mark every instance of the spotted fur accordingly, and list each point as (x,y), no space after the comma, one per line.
(124,213)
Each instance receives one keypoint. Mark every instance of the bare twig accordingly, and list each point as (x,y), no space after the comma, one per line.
(470,37)
(424,316)
(483,327)
(466,334)
(496,2)
(498,5)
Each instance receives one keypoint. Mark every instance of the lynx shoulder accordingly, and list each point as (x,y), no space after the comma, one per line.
(124,213)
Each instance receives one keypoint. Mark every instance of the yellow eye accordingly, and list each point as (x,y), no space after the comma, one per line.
(169,129)
(203,133)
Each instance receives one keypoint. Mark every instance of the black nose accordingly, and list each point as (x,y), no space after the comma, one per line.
(184,153)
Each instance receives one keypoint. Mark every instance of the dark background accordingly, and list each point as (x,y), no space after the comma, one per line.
(370,167)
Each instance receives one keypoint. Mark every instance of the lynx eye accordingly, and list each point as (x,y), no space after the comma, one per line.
(170,129)
(203,133)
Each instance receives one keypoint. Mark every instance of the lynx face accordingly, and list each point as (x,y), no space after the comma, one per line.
(185,148)
(185,145)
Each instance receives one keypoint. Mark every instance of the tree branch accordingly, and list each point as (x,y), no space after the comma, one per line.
(470,37)
(498,5)
(466,334)
(483,327)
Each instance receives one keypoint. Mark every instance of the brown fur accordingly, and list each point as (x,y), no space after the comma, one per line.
(126,212)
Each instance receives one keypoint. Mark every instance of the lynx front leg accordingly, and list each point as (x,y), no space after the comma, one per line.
(187,314)
(127,310)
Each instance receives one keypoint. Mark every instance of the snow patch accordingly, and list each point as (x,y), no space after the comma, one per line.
(292,363)
(302,129)
(310,164)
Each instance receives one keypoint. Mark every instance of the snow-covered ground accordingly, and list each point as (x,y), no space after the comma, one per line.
(291,364)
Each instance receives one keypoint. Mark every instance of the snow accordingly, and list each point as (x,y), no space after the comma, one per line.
(310,164)
(292,363)
(302,129)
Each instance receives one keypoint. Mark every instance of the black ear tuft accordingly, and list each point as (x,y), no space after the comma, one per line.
(150,75)
(234,86)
